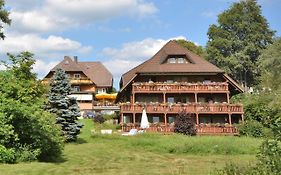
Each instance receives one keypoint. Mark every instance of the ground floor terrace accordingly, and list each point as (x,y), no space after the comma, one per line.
(208,118)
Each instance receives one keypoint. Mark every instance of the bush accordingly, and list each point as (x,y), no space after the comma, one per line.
(7,155)
(99,119)
(184,124)
(270,157)
(269,162)
(109,116)
(27,154)
(253,128)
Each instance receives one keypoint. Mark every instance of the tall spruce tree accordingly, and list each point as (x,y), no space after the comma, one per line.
(236,42)
(65,107)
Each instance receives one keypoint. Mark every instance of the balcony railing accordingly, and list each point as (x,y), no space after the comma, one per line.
(201,130)
(72,81)
(176,108)
(182,87)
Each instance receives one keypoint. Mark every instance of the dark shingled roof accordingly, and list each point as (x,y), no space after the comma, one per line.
(156,65)
(93,70)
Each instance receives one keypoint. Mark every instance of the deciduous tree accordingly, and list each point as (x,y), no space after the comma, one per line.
(4,18)
(27,131)
(192,47)
(236,42)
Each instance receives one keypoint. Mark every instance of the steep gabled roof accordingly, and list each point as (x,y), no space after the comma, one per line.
(93,70)
(67,65)
(97,73)
(155,64)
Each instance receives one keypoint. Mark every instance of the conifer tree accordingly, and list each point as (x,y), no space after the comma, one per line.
(65,107)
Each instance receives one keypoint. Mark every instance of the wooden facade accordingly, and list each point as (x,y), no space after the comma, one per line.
(196,87)
(86,79)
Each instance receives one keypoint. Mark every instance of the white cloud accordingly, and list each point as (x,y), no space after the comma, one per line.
(48,51)
(43,67)
(57,15)
(40,46)
(132,54)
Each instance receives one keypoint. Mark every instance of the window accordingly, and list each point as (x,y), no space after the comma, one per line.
(155,119)
(170,81)
(181,60)
(171,100)
(76,88)
(101,90)
(172,60)
(206,81)
(77,76)
(171,119)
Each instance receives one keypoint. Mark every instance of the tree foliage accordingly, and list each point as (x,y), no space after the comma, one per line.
(238,39)
(26,129)
(64,107)
(192,47)
(4,18)
(184,124)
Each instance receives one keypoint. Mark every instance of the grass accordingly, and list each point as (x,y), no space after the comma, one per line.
(143,154)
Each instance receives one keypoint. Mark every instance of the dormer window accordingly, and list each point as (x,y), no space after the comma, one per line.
(172,60)
(77,76)
(177,59)
(181,60)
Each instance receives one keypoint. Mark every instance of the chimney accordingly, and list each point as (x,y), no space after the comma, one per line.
(76,59)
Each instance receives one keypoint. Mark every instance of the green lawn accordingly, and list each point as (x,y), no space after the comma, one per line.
(143,154)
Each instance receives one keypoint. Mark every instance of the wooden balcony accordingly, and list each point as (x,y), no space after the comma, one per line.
(201,130)
(179,87)
(220,108)
(72,81)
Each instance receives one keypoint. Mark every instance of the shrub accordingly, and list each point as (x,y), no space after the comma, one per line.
(99,119)
(270,157)
(269,162)
(252,128)
(109,116)
(184,124)
(7,155)
(27,154)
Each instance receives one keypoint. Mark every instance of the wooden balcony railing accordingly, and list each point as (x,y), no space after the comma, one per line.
(72,81)
(201,130)
(176,108)
(180,87)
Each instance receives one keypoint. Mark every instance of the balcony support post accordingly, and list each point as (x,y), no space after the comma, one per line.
(197,119)
(133,98)
(134,119)
(196,101)
(165,119)
(164,97)
(229,119)
(242,117)
(121,121)
(227,96)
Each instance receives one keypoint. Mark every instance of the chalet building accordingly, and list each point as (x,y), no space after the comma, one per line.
(86,78)
(176,80)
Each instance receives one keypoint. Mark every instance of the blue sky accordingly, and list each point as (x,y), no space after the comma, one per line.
(119,33)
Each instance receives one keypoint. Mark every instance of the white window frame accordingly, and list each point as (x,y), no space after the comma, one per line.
(77,76)
(181,60)
(76,88)
(101,90)
(172,60)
